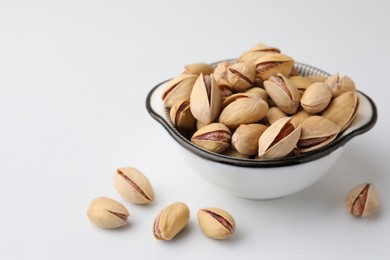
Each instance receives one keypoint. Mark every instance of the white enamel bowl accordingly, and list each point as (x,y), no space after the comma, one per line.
(263,179)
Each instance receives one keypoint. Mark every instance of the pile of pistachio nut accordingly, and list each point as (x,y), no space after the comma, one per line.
(259,106)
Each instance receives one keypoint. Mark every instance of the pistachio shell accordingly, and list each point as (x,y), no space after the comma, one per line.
(301,82)
(256,52)
(170,221)
(278,140)
(273,63)
(340,85)
(316,97)
(107,213)
(245,138)
(214,137)
(199,68)
(257,92)
(220,72)
(181,116)
(178,88)
(283,92)
(342,109)
(274,113)
(205,99)
(316,132)
(216,223)
(299,117)
(362,200)
(241,76)
(245,110)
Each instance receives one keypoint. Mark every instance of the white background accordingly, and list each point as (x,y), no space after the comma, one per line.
(74,76)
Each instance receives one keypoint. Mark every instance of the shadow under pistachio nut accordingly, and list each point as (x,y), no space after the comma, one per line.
(214,137)
(216,223)
(170,221)
(362,200)
(133,185)
(279,139)
(107,213)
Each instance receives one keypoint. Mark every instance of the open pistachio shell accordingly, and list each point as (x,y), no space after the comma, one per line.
(214,137)
(241,76)
(316,132)
(199,68)
(340,85)
(181,116)
(178,88)
(273,63)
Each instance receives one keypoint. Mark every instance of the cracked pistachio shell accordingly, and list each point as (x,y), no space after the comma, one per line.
(199,68)
(225,91)
(181,116)
(241,76)
(316,97)
(216,223)
(316,132)
(342,109)
(220,72)
(299,117)
(178,88)
(279,139)
(272,64)
(133,185)
(170,221)
(274,113)
(107,213)
(205,99)
(301,82)
(256,52)
(340,85)
(246,137)
(362,200)
(257,92)
(244,110)
(283,92)
(214,137)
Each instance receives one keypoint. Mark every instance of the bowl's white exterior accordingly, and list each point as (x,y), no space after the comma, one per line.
(261,183)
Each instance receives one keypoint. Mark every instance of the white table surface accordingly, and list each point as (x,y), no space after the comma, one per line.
(74,76)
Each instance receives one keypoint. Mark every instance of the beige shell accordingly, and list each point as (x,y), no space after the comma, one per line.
(342,109)
(274,113)
(199,68)
(257,92)
(283,92)
(241,76)
(107,213)
(178,88)
(340,85)
(214,137)
(278,140)
(220,72)
(205,99)
(244,110)
(299,117)
(181,116)
(316,132)
(272,64)
(256,52)
(301,82)
(362,200)
(316,97)
(133,185)
(245,138)
(216,223)
(170,221)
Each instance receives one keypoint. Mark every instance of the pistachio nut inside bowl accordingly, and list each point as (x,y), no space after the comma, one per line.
(264,178)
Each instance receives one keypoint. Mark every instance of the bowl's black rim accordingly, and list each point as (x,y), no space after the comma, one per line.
(299,159)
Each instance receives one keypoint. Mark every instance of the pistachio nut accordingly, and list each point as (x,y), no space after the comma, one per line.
(216,223)
(178,88)
(274,113)
(256,52)
(316,97)
(362,200)
(230,99)
(301,82)
(241,76)
(316,132)
(199,68)
(107,213)
(220,72)
(299,117)
(257,92)
(279,139)
(340,85)
(181,116)
(342,109)
(245,138)
(272,64)
(133,185)
(225,91)
(283,92)
(214,137)
(205,99)
(244,110)
(170,221)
